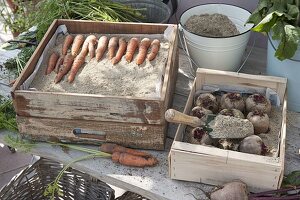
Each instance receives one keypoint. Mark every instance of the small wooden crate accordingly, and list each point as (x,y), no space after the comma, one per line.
(130,121)
(215,166)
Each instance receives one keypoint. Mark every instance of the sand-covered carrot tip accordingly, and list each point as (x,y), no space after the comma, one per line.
(133,160)
(78,40)
(52,62)
(131,48)
(101,48)
(86,47)
(155,45)
(144,45)
(78,62)
(67,43)
(120,52)
(111,148)
(67,64)
(59,63)
(112,47)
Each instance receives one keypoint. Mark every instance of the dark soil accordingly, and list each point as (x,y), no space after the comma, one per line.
(214,25)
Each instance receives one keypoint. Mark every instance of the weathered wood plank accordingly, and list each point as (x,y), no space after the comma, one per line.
(132,135)
(88,107)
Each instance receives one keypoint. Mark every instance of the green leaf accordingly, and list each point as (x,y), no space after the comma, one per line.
(292,179)
(266,23)
(255,17)
(292,10)
(289,43)
(278,30)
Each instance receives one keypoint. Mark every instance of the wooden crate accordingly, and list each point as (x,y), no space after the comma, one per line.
(215,166)
(130,121)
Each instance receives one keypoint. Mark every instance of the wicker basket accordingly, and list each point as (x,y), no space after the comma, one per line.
(33,180)
(131,196)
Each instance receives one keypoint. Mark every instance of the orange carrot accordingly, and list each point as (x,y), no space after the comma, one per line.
(155,45)
(111,148)
(133,160)
(112,47)
(132,46)
(85,47)
(78,62)
(102,45)
(59,63)
(91,48)
(120,52)
(67,43)
(51,63)
(78,40)
(145,43)
(67,64)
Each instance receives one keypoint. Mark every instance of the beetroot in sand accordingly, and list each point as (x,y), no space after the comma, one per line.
(208,101)
(232,112)
(200,136)
(233,100)
(258,102)
(235,190)
(253,144)
(260,121)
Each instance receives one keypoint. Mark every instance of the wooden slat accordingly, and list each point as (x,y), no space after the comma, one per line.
(127,134)
(209,76)
(87,107)
(204,169)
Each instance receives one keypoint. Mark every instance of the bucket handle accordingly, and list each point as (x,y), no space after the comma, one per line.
(269,38)
(185,49)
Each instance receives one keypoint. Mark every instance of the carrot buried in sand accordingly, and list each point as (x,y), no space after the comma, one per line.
(67,43)
(51,63)
(78,40)
(87,47)
(120,52)
(133,160)
(132,46)
(59,63)
(67,64)
(155,45)
(101,48)
(78,62)
(144,45)
(112,47)
(111,148)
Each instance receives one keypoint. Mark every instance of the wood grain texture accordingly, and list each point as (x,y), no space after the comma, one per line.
(131,135)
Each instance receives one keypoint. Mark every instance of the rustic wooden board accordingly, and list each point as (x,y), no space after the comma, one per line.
(200,163)
(144,136)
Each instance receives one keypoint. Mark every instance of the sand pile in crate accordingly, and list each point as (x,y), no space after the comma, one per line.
(122,79)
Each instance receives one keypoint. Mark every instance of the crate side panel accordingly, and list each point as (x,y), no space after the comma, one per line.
(131,135)
(80,26)
(204,168)
(87,107)
(208,76)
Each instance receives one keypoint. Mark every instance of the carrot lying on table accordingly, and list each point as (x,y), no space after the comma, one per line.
(112,47)
(120,52)
(67,64)
(67,43)
(155,45)
(51,63)
(59,63)
(78,40)
(145,43)
(131,48)
(101,48)
(133,160)
(111,148)
(78,62)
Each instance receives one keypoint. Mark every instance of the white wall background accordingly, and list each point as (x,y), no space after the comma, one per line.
(250,5)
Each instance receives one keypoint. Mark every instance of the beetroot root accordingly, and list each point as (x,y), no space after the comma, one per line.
(235,190)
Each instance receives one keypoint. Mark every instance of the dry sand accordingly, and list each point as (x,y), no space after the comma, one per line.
(122,79)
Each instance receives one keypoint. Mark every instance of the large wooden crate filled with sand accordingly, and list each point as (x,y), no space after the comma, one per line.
(215,160)
(122,103)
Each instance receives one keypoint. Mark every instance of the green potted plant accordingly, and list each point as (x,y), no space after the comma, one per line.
(280,20)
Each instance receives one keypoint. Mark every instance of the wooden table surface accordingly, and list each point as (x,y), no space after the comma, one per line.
(154,183)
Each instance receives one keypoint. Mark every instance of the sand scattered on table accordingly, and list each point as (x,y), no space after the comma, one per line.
(122,79)
(211,25)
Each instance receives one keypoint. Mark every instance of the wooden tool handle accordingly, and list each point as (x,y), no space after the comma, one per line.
(175,116)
